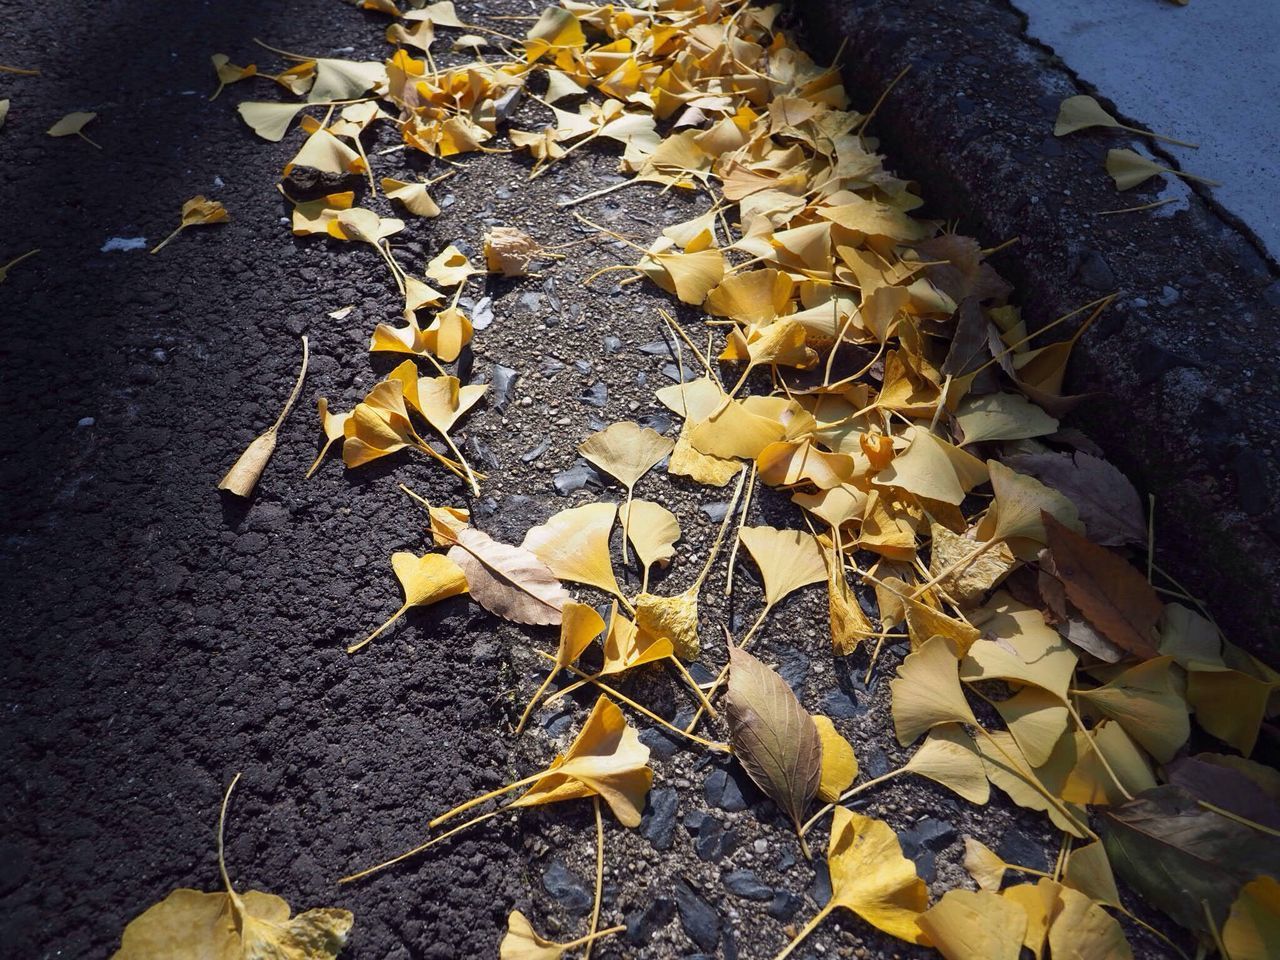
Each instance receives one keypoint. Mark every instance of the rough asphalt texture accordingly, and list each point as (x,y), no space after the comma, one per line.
(1183,363)
(163,637)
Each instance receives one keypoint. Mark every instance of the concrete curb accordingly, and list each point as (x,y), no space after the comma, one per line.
(1183,363)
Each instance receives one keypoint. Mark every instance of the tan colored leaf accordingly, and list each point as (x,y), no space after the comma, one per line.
(1147,701)
(1111,593)
(450,267)
(653,531)
(72,125)
(413,196)
(970,583)
(984,865)
(675,618)
(1082,930)
(244,473)
(195,212)
(575,545)
(508,251)
(508,581)
(1002,416)
(788,559)
(948,757)
(269,120)
(772,736)
(324,152)
(1089,871)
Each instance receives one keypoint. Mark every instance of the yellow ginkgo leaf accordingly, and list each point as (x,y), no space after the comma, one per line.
(414,196)
(606,759)
(243,475)
(450,267)
(363,225)
(1039,901)
(228,72)
(345,79)
(311,217)
(1252,931)
(1002,416)
(269,120)
(975,925)
(1129,168)
(1081,112)
(734,431)
(627,646)
(579,625)
(575,545)
(1082,930)
(871,877)
(626,451)
(788,560)
(949,757)
(190,925)
(4,111)
(1023,649)
(926,692)
(972,581)
(196,212)
(1089,871)
(984,865)
(839,763)
(425,580)
(1009,770)
(653,530)
(522,942)
(933,469)
(324,152)
(72,125)
(1146,700)
(1019,501)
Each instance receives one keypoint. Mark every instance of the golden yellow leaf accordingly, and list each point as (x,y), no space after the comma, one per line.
(1128,169)
(575,545)
(333,425)
(1090,782)
(1019,501)
(839,763)
(1147,700)
(413,196)
(228,72)
(1009,770)
(324,152)
(626,451)
(522,942)
(312,217)
(790,462)
(190,925)
(627,646)
(924,622)
(1089,871)
(1002,416)
(971,582)
(606,759)
(195,212)
(926,692)
(675,618)
(734,431)
(975,925)
(871,877)
(425,580)
(1082,930)
(933,469)
(653,530)
(449,267)
(1252,931)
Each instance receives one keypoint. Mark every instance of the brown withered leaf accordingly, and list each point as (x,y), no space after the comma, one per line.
(1109,505)
(508,581)
(773,737)
(1111,593)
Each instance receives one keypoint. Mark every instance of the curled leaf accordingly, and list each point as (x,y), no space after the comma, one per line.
(244,473)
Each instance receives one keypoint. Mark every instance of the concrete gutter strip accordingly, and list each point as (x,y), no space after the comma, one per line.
(1183,365)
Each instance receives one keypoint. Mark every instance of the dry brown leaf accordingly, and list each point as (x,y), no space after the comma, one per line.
(1112,594)
(772,736)
(507,581)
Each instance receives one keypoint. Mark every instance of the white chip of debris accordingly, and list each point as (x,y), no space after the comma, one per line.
(1208,72)
(124,243)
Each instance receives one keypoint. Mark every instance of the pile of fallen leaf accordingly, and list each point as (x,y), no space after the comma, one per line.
(872,368)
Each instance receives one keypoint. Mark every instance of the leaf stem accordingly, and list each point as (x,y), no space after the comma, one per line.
(1243,821)
(742,522)
(1089,736)
(390,620)
(85,137)
(1159,136)
(598,935)
(709,744)
(422,846)
(850,794)
(485,797)
(693,685)
(297,386)
(595,908)
(528,711)
(1034,783)
(165,242)
(808,929)
(222,823)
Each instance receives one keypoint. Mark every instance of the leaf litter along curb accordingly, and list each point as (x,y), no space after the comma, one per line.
(886,342)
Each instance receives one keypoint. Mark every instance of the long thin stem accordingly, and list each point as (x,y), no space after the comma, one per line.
(1243,821)
(471,476)
(297,386)
(960,564)
(1159,136)
(485,797)
(693,685)
(1153,931)
(222,823)
(621,698)
(742,522)
(390,620)
(598,935)
(528,711)
(595,908)
(422,846)
(320,456)
(719,540)
(85,137)
(849,795)
(4,270)
(165,242)
(808,929)
(724,671)
(626,526)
